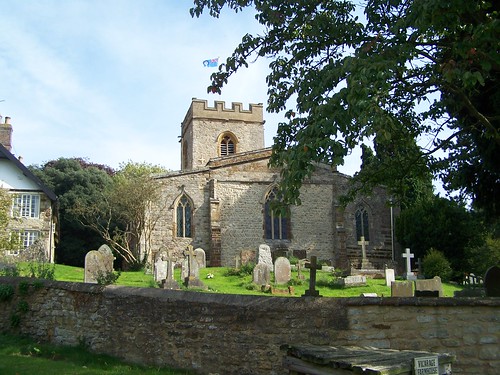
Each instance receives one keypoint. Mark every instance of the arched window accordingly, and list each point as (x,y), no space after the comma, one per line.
(184,217)
(227,144)
(276,225)
(362,229)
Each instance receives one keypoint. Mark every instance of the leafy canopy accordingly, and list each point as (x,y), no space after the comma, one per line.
(409,79)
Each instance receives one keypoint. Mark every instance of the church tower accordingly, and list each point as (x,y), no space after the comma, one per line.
(212,132)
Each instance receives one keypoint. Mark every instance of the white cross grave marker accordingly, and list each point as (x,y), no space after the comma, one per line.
(408,256)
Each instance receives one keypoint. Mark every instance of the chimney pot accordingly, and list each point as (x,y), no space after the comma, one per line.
(7,119)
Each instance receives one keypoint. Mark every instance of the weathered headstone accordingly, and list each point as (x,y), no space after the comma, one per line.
(282,270)
(261,274)
(200,257)
(429,288)
(247,256)
(169,282)
(353,280)
(407,255)
(492,281)
(389,276)
(313,267)
(264,256)
(160,270)
(402,289)
(300,266)
(193,278)
(98,264)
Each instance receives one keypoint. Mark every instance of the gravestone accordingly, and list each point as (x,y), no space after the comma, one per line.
(313,267)
(389,276)
(402,289)
(492,282)
(193,273)
(264,256)
(160,270)
(261,274)
(356,280)
(247,256)
(200,257)
(300,266)
(407,255)
(282,270)
(169,281)
(429,288)
(98,264)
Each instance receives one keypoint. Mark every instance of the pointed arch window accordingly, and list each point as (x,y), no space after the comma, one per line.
(362,228)
(184,217)
(276,225)
(227,146)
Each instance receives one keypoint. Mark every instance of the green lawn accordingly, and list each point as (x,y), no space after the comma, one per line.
(222,283)
(23,356)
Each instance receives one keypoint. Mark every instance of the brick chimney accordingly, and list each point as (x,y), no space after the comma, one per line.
(6,133)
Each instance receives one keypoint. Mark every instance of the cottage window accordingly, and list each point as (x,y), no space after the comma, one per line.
(362,230)
(276,225)
(26,205)
(184,217)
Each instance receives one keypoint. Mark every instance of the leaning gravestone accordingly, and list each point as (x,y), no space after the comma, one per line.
(282,270)
(402,289)
(169,281)
(199,255)
(265,256)
(98,264)
(429,288)
(492,282)
(261,274)
(389,276)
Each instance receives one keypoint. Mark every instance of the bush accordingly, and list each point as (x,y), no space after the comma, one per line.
(436,264)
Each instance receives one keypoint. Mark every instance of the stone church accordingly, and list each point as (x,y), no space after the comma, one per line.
(220,199)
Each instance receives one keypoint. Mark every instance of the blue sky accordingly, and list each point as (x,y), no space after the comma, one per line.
(111,80)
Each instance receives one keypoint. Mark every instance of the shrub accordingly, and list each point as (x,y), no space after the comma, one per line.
(436,264)
(6,292)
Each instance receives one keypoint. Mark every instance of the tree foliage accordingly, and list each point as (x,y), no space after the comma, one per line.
(407,78)
(121,216)
(441,224)
(7,241)
(76,182)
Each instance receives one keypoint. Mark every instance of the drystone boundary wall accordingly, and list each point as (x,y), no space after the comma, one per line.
(230,334)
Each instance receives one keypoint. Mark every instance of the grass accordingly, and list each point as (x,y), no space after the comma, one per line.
(231,283)
(23,356)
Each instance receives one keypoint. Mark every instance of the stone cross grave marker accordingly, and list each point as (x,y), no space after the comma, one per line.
(363,244)
(389,276)
(408,255)
(282,270)
(261,274)
(169,282)
(419,263)
(264,255)
(313,267)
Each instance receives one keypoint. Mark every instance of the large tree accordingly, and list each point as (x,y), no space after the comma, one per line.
(415,80)
(122,216)
(75,181)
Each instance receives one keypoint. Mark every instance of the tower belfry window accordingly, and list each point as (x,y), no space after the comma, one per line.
(227,146)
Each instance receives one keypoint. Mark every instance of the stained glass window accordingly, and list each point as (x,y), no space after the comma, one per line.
(276,225)
(184,217)
(362,224)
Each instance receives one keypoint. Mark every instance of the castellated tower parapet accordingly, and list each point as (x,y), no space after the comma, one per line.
(209,132)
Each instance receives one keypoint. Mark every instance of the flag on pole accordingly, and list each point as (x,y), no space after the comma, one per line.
(211,63)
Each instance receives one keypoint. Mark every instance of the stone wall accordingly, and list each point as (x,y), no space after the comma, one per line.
(230,334)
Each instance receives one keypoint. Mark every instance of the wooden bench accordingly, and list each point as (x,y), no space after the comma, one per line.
(348,360)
